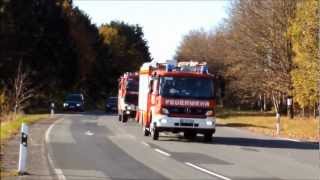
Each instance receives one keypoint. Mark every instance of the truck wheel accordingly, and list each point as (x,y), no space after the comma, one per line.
(155,134)
(208,137)
(146,132)
(124,118)
(189,135)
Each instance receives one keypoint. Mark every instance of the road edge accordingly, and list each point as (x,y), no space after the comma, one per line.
(58,172)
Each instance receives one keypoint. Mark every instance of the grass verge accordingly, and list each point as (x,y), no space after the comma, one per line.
(8,173)
(9,128)
(306,129)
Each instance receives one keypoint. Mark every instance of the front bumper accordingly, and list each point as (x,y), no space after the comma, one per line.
(73,108)
(130,113)
(181,124)
(130,110)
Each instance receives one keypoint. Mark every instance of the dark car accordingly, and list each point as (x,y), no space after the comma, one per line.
(112,104)
(74,102)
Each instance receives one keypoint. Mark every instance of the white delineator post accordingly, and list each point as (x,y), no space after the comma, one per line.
(52,109)
(278,123)
(23,154)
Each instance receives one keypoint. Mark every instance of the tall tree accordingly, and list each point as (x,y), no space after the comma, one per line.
(63,50)
(304,32)
(128,49)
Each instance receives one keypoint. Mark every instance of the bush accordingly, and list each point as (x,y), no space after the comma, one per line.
(5,113)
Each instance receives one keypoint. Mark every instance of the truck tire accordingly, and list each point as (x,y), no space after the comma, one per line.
(208,137)
(155,134)
(146,132)
(124,118)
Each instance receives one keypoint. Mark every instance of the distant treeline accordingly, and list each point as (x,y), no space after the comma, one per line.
(266,51)
(59,50)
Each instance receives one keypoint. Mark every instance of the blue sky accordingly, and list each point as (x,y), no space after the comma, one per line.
(164,23)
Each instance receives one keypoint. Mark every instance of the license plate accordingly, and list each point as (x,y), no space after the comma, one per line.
(186,121)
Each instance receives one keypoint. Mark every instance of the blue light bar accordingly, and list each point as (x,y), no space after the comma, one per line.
(204,69)
(169,67)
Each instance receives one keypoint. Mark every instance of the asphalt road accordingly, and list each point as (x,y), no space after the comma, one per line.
(97,146)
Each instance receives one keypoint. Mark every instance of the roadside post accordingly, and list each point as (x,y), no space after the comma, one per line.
(290,107)
(278,123)
(52,109)
(23,153)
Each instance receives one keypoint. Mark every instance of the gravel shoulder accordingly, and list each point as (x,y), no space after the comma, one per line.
(37,162)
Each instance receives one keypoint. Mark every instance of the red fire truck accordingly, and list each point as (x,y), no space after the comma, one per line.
(128,96)
(176,98)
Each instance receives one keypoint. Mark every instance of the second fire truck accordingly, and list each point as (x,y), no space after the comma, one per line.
(128,96)
(176,98)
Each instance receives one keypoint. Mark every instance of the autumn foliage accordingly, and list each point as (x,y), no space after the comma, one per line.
(265,51)
(62,51)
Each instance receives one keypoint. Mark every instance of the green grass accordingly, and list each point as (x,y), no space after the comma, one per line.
(298,128)
(11,127)
(8,173)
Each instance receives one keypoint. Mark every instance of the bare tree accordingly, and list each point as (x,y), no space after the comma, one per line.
(22,90)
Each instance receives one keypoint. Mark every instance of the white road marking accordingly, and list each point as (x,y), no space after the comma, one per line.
(89,133)
(207,171)
(89,174)
(146,144)
(162,152)
(121,136)
(57,171)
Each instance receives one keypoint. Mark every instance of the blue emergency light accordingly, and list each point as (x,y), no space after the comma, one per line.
(169,67)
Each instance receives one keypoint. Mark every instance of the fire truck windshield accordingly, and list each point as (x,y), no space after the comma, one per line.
(133,85)
(186,87)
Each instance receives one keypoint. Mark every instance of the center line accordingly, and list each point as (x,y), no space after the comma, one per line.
(162,152)
(207,171)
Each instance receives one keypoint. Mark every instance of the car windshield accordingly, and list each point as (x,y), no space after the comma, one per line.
(133,85)
(186,87)
(73,97)
(112,101)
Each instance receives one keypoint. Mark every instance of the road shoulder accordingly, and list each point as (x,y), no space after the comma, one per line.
(37,162)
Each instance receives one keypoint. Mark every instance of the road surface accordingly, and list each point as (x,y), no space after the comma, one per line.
(98,146)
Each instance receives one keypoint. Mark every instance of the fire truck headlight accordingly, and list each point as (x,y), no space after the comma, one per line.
(209,113)
(163,121)
(127,112)
(65,104)
(164,111)
(128,107)
(209,123)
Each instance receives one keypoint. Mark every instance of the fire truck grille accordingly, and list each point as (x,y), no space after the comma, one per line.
(182,111)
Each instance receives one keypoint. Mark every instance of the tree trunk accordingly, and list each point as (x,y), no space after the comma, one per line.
(276,103)
(315,110)
(264,102)
(260,103)
(15,112)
